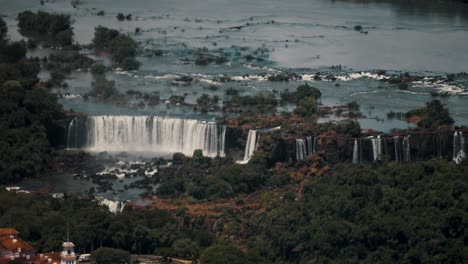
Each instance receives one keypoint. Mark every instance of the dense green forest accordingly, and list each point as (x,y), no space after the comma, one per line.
(385,213)
(28,114)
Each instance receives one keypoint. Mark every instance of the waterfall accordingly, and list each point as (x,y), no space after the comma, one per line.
(153,134)
(397,149)
(356,152)
(250,146)
(458,147)
(406,149)
(377,147)
(305,147)
(71,137)
(300,148)
(252,143)
(114,206)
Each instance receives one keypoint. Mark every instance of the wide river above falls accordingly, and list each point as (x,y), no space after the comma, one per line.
(424,38)
(266,37)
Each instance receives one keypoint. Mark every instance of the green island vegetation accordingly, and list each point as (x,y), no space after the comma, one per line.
(433,115)
(61,64)
(122,48)
(206,103)
(30,115)
(305,98)
(55,29)
(252,104)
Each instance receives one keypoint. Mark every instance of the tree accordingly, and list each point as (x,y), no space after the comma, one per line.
(185,248)
(3,29)
(301,92)
(220,254)
(433,115)
(120,17)
(55,28)
(29,116)
(121,47)
(306,106)
(106,255)
(98,68)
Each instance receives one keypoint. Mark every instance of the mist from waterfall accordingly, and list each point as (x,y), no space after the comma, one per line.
(458,147)
(305,147)
(154,135)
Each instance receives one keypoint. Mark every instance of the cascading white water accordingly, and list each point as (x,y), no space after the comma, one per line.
(114,206)
(458,147)
(250,146)
(377,147)
(397,150)
(252,143)
(153,134)
(356,152)
(71,137)
(406,149)
(305,146)
(300,149)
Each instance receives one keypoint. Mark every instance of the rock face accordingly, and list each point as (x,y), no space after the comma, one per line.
(232,138)
(412,146)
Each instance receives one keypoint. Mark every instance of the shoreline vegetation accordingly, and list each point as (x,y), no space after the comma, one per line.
(277,208)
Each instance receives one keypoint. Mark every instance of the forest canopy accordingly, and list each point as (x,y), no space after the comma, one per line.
(54,28)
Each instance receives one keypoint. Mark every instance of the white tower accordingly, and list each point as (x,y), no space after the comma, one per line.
(68,254)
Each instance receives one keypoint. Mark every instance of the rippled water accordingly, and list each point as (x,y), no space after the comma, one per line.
(423,37)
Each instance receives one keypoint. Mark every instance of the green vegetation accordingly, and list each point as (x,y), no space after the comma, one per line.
(220,254)
(106,255)
(301,92)
(305,97)
(29,116)
(103,89)
(354,110)
(256,104)
(40,219)
(98,69)
(206,103)
(122,48)
(53,28)
(61,64)
(412,213)
(3,29)
(433,115)
(204,178)
(306,107)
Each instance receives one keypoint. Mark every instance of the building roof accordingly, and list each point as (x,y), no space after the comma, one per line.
(11,244)
(8,231)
